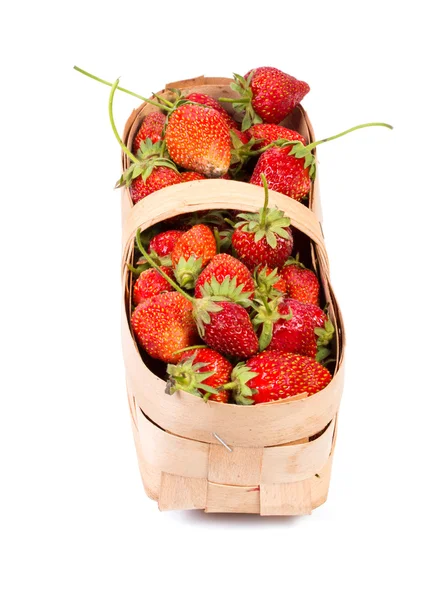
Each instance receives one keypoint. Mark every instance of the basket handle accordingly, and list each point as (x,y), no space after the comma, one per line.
(201,195)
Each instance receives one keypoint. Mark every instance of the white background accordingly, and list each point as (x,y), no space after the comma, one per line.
(75,522)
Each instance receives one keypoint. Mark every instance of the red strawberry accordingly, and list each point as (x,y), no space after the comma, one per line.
(224,269)
(159,178)
(266,95)
(151,128)
(151,283)
(192,176)
(163,243)
(164,324)
(291,326)
(193,251)
(198,139)
(285,173)
(201,372)
(274,375)
(226,327)
(263,238)
(213,103)
(269,133)
(302,283)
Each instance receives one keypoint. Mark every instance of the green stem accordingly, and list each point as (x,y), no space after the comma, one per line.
(334,137)
(264,209)
(110,84)
(113,125)
(196,347)
(229,386)
(124,90)
(172,283)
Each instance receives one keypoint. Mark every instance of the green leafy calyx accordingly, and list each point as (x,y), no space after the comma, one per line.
(185,376)
(228,289)
(243,104)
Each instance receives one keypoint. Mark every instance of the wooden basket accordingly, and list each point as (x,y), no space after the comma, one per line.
(269,459)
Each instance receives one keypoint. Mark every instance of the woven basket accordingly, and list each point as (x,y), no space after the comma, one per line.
(269,459)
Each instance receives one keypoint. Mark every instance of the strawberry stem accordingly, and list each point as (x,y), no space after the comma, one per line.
(196,347)
(110,84)
(334,137)
(113,125)
(264,209)
(159,270)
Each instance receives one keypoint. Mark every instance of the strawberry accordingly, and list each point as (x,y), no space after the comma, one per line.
(223,325)
(151,128)
(192,176)
(291,326)
(200,372)
(275,375)
(198,139)
(285,173)
(266,95)
(163,243)
(302,283)
(159,178)
(193,251)
(164,324)
(268,133)
(263,238)
(213,103)
(269,283)
(151,283)
(224,269)
(226,327)
(291,166)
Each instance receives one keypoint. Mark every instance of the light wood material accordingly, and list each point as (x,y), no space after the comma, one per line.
(241,466)
(276,466)
(286,498)
(182,493)
(232,499)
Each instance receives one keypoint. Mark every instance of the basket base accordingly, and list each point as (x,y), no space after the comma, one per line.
(173,492)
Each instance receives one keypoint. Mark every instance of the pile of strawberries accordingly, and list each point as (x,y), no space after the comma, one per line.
(194,137)
(221,298)
(225,304)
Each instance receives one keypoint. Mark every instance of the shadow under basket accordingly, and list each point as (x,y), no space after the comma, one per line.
(268,459)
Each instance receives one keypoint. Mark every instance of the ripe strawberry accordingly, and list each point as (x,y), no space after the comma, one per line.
(302,283)
(151,283)
(198,139)
(266,95)
(215,279)
(213,103)
(263,238)
(192,251)
(290,167)
(164,324)
(200,372)
(226,327)
(268,133)
(274,375)
(151,128)
(291,326)
(163,243)
(159,178)
(269,283)
(285,173)
(223,325)
(192,176)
